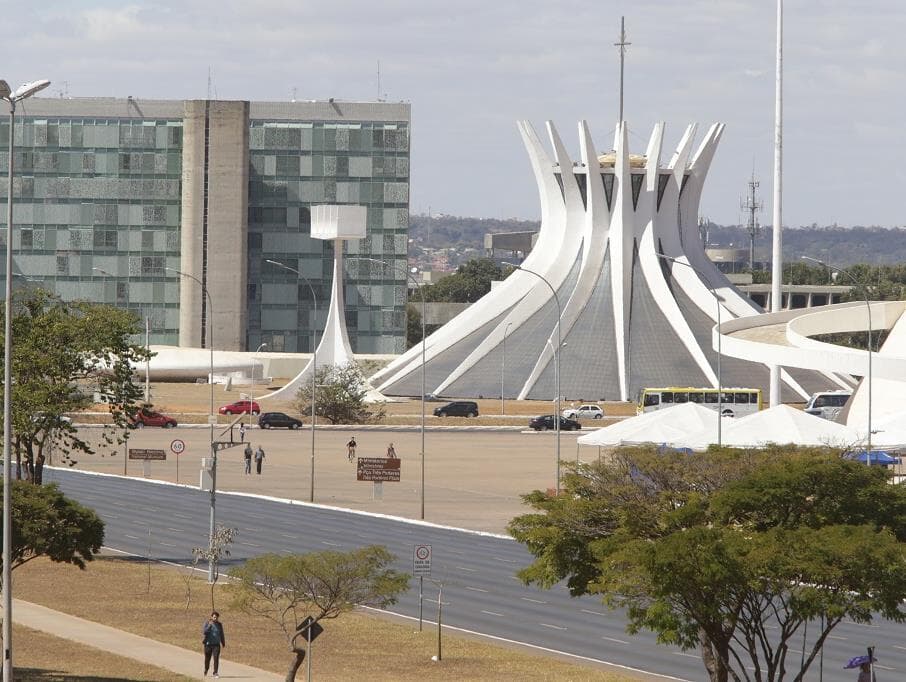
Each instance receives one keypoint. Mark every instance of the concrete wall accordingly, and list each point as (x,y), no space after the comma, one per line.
(219,258)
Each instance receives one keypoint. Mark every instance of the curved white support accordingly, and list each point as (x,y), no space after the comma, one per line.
(621,243)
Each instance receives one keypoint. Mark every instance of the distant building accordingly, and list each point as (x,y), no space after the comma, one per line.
(132,187)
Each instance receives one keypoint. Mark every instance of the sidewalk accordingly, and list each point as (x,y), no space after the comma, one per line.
(152,652)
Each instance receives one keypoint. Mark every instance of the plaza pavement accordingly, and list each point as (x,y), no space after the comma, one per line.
(473,476)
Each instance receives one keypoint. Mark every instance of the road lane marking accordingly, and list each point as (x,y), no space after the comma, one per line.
(166,544)
(534,601)
(614,639)
(506,561)
(249,544)
(476,589)
(463,568)
(332,544)
(493,613)
(683,653)
(554,627)
(131,537)
(290,537)
(594,613)
(843,639)
(176,530)
(895,646)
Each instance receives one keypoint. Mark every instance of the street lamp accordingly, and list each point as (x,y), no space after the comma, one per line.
(409,275)
(211,420)
(717,299)
(314,367)
(11,97)
(502,369)
(252,388)
(556,362)
(868,308)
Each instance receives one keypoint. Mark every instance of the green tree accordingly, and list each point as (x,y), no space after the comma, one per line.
(284,589)
(63,352)
(470,282)
(47,523)
(214,553)
(340,397)
(710,551)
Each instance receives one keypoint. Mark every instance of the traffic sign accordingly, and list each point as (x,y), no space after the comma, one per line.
(143,453)
(377,469)
(177,446)
(309,629)
(421,560)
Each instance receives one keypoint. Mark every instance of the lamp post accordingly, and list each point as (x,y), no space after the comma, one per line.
(211,420)
(11,97)
(868,308)
(314,368)
(717,299)
(422,295)
(252,388)
(502,369)
(556,363)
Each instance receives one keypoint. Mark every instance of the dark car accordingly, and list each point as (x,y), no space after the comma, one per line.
(458,408)
(151,418)
(241,407)
(546,422)
(278,420)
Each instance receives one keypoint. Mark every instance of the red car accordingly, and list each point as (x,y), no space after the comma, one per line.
(241,407)
(150,418)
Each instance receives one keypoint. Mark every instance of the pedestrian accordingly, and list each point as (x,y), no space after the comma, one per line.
(242,433)
(259,458)
(865,673)
(391,452)
(213,640)
(248,458)
(350,449)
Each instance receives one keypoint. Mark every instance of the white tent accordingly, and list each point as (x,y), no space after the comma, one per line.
(779,424)
(660,426)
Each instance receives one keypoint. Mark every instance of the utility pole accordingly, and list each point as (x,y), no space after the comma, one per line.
(751,206)
(622,45)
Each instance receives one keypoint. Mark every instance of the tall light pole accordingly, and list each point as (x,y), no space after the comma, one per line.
(422,295)
(717,299)
(211,419)
(503,369)
(868,308)
(314,367)
(11,98)
(252,387)
(556,363)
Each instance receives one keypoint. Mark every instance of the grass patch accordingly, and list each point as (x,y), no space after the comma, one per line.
(39,657)
(150,600)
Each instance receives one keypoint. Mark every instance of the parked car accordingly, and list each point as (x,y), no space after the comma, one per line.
(145,417)
(241,407)
(546,423)
(458,408)
(277,420)
(584,412)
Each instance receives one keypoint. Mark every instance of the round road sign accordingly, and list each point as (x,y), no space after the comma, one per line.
(422,552)
(177,446)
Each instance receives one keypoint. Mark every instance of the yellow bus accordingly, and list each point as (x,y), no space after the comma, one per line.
(736,402)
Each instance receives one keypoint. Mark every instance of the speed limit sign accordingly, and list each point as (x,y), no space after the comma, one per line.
(421,560)
(177,446)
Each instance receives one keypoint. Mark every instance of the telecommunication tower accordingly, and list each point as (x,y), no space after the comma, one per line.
(751,205)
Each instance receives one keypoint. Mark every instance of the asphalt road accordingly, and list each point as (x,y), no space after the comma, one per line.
(480,591)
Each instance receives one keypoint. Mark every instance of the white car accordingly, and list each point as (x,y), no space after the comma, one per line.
(584,412)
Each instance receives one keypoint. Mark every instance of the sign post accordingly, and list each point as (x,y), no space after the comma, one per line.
(177,447)
(421,566)
(146,456)
(311,629)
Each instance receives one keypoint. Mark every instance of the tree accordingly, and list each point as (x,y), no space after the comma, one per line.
(340,397)
(730,552)
(470,282)
(63,353)
(214,553)
(321,584)
(47,523)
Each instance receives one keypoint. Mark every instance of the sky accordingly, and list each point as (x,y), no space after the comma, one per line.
(472,68)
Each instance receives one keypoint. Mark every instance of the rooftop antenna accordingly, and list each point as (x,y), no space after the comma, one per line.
(622,45)
(751,205)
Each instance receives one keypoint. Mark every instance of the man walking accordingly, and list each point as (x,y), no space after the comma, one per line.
(248,458)
(259,458)
(242,432)
(350,449)
(213,640)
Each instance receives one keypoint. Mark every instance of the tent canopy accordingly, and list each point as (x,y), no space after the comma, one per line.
(779,424)
(660,426)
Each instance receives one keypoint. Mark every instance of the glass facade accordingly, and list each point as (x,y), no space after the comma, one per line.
(99,194)
(295,165)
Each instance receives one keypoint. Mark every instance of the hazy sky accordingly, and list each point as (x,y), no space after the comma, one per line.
(471,68)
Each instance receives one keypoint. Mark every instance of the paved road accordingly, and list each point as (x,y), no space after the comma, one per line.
(481,593)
